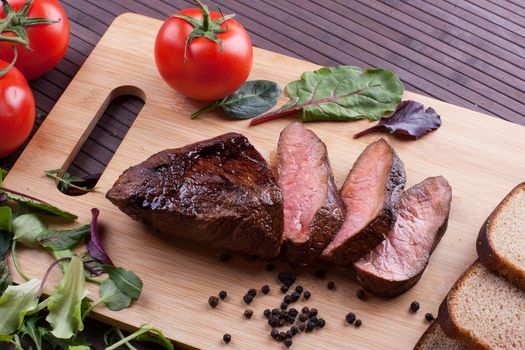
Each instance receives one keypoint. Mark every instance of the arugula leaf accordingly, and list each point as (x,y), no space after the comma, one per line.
(66,181)
(16,303)
(253,98)
(37,205)
(27,228)
(65,302)
(94,241)
(79,340)
(6,218)
(30,329)
(155,336)
(126,281)
(340,94)
(62,240)
(112,297)
(410,119)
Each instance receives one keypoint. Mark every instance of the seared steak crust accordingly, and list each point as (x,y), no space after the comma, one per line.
(313,210)
(219,191)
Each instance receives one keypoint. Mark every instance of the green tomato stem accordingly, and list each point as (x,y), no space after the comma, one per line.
(142,330)
(206,17)
(15,262)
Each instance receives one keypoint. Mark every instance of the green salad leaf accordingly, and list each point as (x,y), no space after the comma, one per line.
(65,302)
(341,94)
(3,174)
(113,297)
(30,329)
(126,281)
(155,336)
(6,219)
(38,205)
(16,303)
(27,228)
(79,347)
(65,239)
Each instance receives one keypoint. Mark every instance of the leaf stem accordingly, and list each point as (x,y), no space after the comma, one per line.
(94,305)
(204,110)
(93,280)
(367,131)
(121,335)
(66,183)
(142,330)
(15,262)
(5,189)
(274,115)
(46,275)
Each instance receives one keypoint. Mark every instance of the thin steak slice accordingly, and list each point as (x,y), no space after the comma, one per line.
(220,192)
(370,194)
(313,210)
(398,262)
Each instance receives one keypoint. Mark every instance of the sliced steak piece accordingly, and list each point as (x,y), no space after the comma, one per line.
(220,192)
(313,210)
(398,262)
(370,194)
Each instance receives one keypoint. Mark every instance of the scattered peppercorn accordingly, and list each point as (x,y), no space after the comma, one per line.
(288,299)
(288,283)
(330,285)
(265,289)
(305,310)
(288,342)
(358,323)
(361,294)
(293,312)
(213,301)
(248,313)
(276,312)
(223,294)
(270,267)
(299,289)
(282,335)
(320,273)
(294,330)
(288,334)
(282,276)
(290,319)
(313,319)
(313,312)
(307,295)
(429,317)
(224,257)
(248,299)
(252,292)
(267,313)
(295,296)
(321,323)
(303,317)
(350,317)
(310,326)
(284,288)
(227,338)
(273,321)
(284,306)
(414,306)
(274,334)
(301,326)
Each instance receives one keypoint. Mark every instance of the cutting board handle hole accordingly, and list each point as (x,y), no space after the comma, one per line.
(105,137)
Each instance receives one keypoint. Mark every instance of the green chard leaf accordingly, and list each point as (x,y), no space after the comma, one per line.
(38,205)
(62,240)
(126,281)
(16,303)
(253,98)
(27,228)
(65,302)
(341,94)
(112,297)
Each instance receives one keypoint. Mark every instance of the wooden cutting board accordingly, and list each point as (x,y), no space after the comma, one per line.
(481,156)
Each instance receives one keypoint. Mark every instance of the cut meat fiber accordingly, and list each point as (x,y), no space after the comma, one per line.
(220,192)
(370,194)
(399,261)
(313,210)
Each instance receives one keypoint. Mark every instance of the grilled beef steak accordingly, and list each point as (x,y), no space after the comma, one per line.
(313,210)
(399,261)
(370,194)
(220,192)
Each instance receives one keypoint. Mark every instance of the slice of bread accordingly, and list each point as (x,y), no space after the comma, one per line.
(435,339)
(501,240)
(484,311)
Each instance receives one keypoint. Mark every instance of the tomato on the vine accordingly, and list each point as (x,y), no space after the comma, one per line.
(17,109)
(203,55)
(46,25)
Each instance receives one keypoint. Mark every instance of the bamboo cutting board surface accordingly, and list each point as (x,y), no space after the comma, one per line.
(481,156)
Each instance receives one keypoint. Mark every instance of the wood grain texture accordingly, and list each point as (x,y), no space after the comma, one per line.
(482,166)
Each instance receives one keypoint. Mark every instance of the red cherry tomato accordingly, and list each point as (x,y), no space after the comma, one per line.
(48,42)
(17,110)
(209,72)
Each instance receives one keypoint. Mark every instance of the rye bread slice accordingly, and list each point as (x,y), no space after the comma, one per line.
(435,339)
(313,210)
(370,193)
(501,240)
(484,311)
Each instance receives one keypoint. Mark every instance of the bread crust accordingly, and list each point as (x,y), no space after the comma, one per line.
(428,340)
(487,253)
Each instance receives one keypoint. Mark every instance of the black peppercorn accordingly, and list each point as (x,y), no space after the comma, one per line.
(227,338)
(313,312)
(414,306)
(293,312)
(282,335)
(276,312)
(358,323)
(295,296)
(301,326)
(248,299)
(310,326)
(248,313)
(305,310)
(321,323)
(223,294)
(294,330)
(330,285)
(288,283)
(213,301)
(361,294)
(270,267)
(224,257)
(265,289)
(267,313)
(307,295)
(252,292)
(299,289)
(288,342)
(273,321)
(350,317)
(288,299)
(290,319)
(274,334)
(284,306)
(429,317)
(303,317)
(320,273)
(284,288)
(282,276)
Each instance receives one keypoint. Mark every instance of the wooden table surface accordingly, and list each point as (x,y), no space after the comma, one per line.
(466,52)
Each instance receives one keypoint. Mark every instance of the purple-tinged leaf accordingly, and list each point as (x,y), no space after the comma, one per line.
(410,119)
(94,242)
(3,197)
